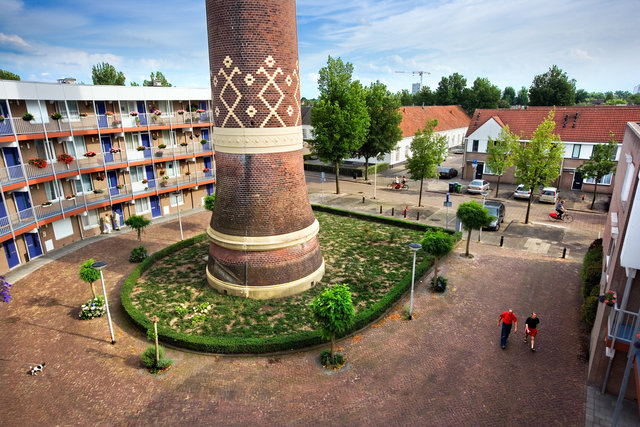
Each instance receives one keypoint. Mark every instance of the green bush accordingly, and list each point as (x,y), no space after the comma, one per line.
(209,201)
(325,360)
(92,308)
(438,286)
(138,254)
(148,359)
(591,270)
(589,310)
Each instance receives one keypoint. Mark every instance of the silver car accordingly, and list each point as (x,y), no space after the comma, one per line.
(521,193)
(478,186)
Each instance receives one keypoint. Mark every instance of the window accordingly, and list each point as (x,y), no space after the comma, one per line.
(475,145)
(39,114)
(397,155)
(606,180)
(628,178)
(53,189)
(142,205)
(174,197)
(172,169)
(169,138)
(487,171)
(72,107)
(166,107)
(91,219)
(576,151)
(77,147)
(44,150)
(132,140)
(84,184)
(137,173)
(406,152)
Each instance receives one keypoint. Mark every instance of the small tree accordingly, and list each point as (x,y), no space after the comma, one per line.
(138,223)
(158,78)
(334,311)
(538,160)
(428,150)
(473,216)
(209,202)
(89,274)
(500,153)
(8,75)
(106,74)
(437,243)
(552,88)
(600,164)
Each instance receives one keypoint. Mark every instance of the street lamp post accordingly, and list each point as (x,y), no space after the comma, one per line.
(415,247)
(177,193)
(100,265)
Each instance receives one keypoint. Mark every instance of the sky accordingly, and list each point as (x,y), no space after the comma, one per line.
(507,41)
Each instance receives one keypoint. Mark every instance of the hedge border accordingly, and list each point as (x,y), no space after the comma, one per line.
(237,345)
(345,170)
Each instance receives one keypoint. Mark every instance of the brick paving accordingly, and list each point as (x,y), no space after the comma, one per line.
(444,367)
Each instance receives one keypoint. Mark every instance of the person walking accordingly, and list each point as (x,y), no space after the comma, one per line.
(531,329)
(507,319)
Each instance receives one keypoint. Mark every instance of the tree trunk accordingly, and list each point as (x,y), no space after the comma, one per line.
(337,165)
(526,218)
(420,197)
(93,291)
(155,334)
(498,185)
(435,268)
(333,347)
(366,168)
(468,240)
(595,191)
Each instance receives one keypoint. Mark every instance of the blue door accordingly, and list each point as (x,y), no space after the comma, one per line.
(102,109)
(11,253)
(142,113)
(145,141)
(117,209)
(4,221)
(106,146)
(209,189)
(202,105)
(23,203)
(155,206)
(150,177)
(5,126)
(204,134)
(33,244)
(12,160)
(207,165)
(112,176)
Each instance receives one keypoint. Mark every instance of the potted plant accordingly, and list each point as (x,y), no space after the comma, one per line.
(133,113)
(1,118)
(56,116)
(38,162)
(157,113)
(65,158)
(47,203)
(100,178)
(120,186)
(203,141)
(109,113)
(608,298)
(184,144)
(114,150)
(98,191)
(117,122)
(166,177)
(187,173)
(200,111)
(205,170)
(141,148)
(144,181)
(70,196)
(90,154)
(181,112)
(27,117)
(83,114)
(162,146)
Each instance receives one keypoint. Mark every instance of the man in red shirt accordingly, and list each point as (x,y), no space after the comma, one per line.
(507,319)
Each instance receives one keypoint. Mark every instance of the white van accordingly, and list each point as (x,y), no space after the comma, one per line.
(548,195)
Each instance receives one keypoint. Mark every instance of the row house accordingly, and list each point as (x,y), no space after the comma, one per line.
(580,128)
(73,153)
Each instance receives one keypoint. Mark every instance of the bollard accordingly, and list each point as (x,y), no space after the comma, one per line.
(564,253)
(362,199)
(418,216)
(381,209)
(392,209)
(501,240)
(405,213)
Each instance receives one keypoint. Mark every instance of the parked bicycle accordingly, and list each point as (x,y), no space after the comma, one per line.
(564,218)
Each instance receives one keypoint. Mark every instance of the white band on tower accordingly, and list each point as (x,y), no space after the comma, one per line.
(257,140)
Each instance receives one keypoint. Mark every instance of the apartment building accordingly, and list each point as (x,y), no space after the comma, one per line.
(73,153)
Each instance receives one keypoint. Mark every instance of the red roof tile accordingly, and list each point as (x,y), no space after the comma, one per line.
(449,117)
(583,124)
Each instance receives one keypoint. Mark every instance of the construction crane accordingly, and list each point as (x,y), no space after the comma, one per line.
(415,72)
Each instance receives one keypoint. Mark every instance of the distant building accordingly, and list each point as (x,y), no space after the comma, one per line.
(636,89)
(415,88)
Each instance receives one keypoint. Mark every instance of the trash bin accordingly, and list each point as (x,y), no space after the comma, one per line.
(458,187)
(452,187)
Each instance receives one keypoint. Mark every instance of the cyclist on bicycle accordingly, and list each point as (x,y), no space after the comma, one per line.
(560,209)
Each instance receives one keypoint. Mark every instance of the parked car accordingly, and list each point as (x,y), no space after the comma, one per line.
(457,150)
(548,195)
(521,193)
(496,209)
(447,172)
(478,186)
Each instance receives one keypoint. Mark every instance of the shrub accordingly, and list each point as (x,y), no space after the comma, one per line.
(148,359)
(438,286)
(209,201)
(589,310)
(596,244)
(92,308)
(591,270)
(138,254)
(325,360)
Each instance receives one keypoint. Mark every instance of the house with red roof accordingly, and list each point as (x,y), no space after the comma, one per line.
(580,129)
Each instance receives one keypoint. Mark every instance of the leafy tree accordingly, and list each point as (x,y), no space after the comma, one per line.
(384,121)
(428,150)
(523,97)
(406,99)
(509,94)
(8,75)
(134,84)
(538,161)
(209,202)
(106,74)
(138,223)
(634,99)
(334,311)
(600,164)
(552,88)
(424,97)
(473,215)
(451,90)
(482,95)
(89,274)
(437,243)
(159,77)
(500,153)
(581,96)
(340,120)
(622,94)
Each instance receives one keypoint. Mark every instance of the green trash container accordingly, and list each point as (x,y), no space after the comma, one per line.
(458,187)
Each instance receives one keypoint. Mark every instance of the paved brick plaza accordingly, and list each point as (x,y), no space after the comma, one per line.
(444,367)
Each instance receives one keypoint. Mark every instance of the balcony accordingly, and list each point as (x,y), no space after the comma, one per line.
(621,324)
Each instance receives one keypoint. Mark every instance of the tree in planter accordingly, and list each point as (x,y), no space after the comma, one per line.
(500,152)
(209,201)
(334,311)
(153,357)
(437,243)
(428,150)
(89,274)
(138,223)
(339,118)
(473,216)
(600,164)
(538,160)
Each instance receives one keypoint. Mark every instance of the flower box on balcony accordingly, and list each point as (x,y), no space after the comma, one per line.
(119,186)
(133,113)
(38,162)
(83,114)
(203,141)
(144,181)
(27,117)
(98,191)
(184,144)
(45,204)
(114,150)
(1,118)
(181,112)
(205,170)
(100,178)
(141,148)
(116,122)
(108,113)
(200,111)
(157,113)
(70,197)
(162,146)
(187,173)
(56,116)
(90,154)
(65,158)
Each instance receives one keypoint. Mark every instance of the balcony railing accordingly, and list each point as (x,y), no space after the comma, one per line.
(621,324)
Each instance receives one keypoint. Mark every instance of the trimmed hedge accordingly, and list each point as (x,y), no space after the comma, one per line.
(238,345)
(345,170)
(591,274)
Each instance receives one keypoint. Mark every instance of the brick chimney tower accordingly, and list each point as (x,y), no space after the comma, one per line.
(263,234)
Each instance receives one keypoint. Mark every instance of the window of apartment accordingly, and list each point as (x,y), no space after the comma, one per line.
(44,149)
(406,152)
(91,219)
(128,106)
(137,173)
(628,179)
(72,107)
(169,138)
(53,189)
(476,142)
(397,155)
(132,140)
(142,205)
(39,115)
(76,147)
(576,151)
(172,169)
(166,107)
(486,170)
(84,184)
(606,180)
(174,198)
